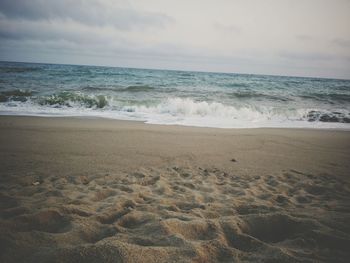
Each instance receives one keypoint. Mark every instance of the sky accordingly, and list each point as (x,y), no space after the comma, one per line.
(277,37)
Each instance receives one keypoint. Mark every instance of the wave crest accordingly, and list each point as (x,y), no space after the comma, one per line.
(15,95)
(139,88)
(70,99)
(185,107)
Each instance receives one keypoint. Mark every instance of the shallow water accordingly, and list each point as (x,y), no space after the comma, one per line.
(174,97)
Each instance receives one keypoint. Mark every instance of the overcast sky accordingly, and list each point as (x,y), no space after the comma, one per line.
(282,37)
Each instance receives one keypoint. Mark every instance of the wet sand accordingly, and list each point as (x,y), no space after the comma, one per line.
(96,190)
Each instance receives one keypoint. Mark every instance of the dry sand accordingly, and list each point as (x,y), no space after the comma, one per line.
(95,190)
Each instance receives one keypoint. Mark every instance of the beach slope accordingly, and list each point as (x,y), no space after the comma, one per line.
(97,190)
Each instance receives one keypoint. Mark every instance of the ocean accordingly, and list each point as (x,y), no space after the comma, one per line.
(223,100)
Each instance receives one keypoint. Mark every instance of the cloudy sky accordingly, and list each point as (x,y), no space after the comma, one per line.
(282,37)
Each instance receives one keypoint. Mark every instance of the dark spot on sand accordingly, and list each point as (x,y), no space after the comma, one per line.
(281,199)
(7,202)
(303,199)
(84,180)
(47,221)
(273,228)
(297,172)
(112,216)
(15,211)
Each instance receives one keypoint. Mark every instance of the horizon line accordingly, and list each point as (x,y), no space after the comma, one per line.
(181,70)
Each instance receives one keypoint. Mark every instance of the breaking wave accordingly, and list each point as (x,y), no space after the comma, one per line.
(15,95)
(181,111)
(71,99)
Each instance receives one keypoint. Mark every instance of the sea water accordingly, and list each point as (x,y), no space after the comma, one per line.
(205,99)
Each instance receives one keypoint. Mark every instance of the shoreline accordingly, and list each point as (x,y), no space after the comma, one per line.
(101,190)
(87,117)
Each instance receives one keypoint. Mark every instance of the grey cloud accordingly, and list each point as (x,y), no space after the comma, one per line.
(341,42)
(305,56)
(305,37)
(93,13)
(5,34)
(48,32)
(227,28)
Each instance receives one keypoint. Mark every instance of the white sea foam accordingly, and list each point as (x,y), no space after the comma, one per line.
(181,111)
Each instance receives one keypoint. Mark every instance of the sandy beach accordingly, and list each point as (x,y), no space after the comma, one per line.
(98,190)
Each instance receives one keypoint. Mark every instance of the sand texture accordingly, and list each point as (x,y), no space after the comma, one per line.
(94,190)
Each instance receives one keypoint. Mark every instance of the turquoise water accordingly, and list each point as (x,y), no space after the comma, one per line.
(174,97)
